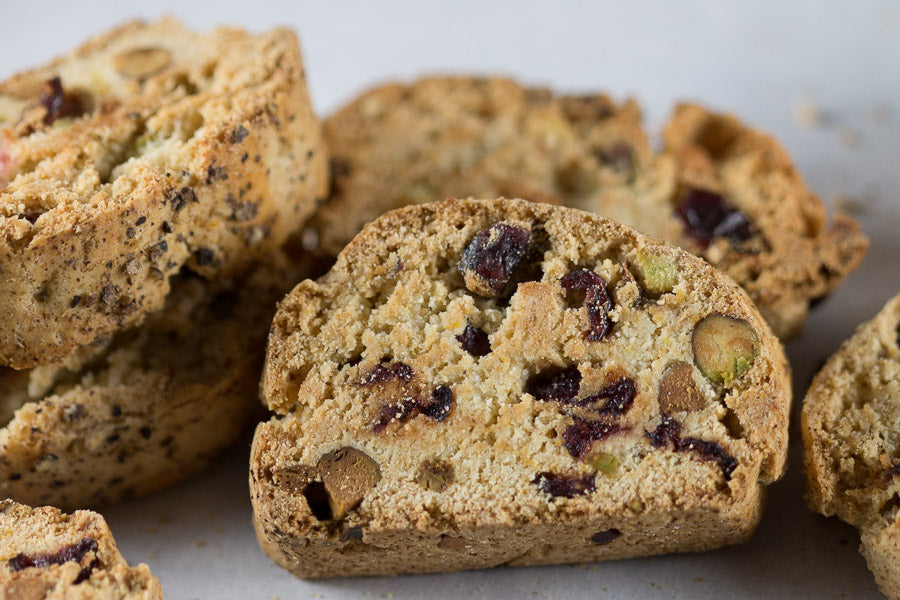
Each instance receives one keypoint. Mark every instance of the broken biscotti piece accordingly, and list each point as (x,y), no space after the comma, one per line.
(45,554)
(148,148)
(150,407)
(851,454)
(478,383)
(719,189)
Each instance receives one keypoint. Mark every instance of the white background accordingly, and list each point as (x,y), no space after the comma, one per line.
(759,59)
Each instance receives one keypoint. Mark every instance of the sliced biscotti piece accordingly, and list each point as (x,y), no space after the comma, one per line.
(149,148)
(719,189)
(48,555)
(486,382)
(851,452)
(151,406)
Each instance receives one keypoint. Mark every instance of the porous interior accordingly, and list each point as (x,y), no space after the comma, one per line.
(852,424)
(396,296)
(122,119)
(459,137)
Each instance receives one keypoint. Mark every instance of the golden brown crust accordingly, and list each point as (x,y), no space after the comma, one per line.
(362,357)
(850,417)
(48,555)
(461,136)
(149,408)
(209,159)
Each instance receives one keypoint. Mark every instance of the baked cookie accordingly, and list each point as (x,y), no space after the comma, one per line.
(851,453)
(148,148)
(151,406)
(719,189)
(477,383)
(47,555)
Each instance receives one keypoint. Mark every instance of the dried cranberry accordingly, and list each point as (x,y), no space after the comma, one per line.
(489,261)
(564,486)
(619,396)
(400,411)
(578,437)
(708,215)
(561,386)
(474,341)
(440,404)
(386,372)
(619,157)
(669,432)
(601,538)
(596,299)
(71,553)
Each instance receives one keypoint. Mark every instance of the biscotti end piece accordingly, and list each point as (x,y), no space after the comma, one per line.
(47,554)
(850,417)
(718,189)
(493,382)
(148,149)
(150,407)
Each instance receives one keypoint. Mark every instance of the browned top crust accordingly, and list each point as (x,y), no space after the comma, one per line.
(582,334)
(48,555)
(147,149)
(754,217)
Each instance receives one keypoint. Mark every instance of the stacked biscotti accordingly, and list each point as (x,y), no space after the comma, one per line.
(150,183)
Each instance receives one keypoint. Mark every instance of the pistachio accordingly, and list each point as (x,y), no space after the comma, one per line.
(435,475)
(657,273)
(678,391)
(347,474)
(141,62)
(724,347)
(605,463)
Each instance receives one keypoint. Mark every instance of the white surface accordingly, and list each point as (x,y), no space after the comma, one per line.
(758,59)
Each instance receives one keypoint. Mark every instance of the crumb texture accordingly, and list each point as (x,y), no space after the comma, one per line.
(147,149)
(49,555)
(718,188)
(851,441)
(477,383)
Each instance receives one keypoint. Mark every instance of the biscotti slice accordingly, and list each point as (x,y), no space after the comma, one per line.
(851,451)
(148,148)
(477,383)
(48,555)
(150,407)
(719,189)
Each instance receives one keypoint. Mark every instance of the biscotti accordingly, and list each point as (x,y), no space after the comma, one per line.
(850,420)
(47,555)
(477,383)
(147,149)
(718,188)
(150,407)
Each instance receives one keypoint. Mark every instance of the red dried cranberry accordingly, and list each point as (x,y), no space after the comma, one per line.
(474,341)
(564,486)
(489,261)
(561,386)
(400,411)
(601,538)
(71,553)
(578,437)
(619,396)
(669,432)
(386,372)
(440,404)
(708,215)
(57,103)
(596,299)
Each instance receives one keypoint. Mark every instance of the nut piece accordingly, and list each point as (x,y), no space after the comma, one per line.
(435,475)
(658,275)
(678,391)
(604,462)
(141,62)
(347,474)
(724,347)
